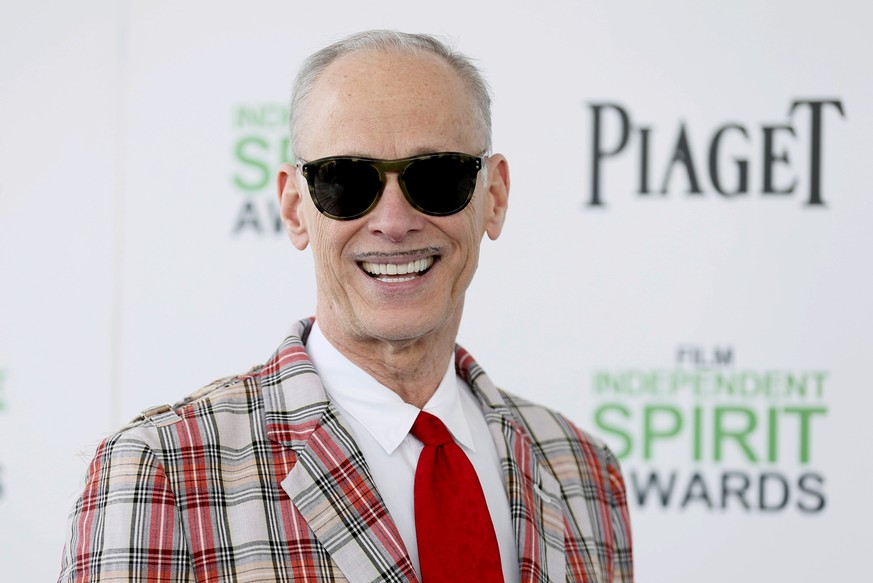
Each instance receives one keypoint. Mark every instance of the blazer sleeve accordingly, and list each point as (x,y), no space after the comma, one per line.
(126,525)
(622,559)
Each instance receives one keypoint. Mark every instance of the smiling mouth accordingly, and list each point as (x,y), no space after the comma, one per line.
(397,272)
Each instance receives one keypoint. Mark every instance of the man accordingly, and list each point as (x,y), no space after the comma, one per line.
(320,465)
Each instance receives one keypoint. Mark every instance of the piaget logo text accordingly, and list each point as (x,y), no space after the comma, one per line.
(781,158)
(707,434)
(261,145)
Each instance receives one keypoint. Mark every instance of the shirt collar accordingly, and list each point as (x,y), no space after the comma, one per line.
(379,409)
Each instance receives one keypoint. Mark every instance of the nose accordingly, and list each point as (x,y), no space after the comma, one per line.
(394,218)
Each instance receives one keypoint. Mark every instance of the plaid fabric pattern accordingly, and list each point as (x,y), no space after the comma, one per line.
(256,478)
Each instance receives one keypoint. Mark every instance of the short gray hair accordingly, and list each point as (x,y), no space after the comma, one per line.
(390,40)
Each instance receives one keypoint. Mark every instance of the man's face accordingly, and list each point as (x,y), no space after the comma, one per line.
(390,105)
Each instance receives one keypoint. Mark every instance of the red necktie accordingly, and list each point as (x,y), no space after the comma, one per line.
(456,540)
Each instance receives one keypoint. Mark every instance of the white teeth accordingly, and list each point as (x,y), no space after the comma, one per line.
(416,266)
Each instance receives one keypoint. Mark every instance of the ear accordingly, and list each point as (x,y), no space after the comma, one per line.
(498,195)
(291,205)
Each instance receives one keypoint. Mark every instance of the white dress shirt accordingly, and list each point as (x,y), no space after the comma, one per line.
(380,422)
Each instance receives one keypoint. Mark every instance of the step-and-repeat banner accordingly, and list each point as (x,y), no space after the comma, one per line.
(685,270)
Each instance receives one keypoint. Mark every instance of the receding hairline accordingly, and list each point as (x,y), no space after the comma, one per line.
(387,42)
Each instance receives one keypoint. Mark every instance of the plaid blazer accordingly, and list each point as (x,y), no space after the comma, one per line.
(256,478)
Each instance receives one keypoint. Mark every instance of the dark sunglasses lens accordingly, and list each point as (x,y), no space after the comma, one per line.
(441,185)
(345,189)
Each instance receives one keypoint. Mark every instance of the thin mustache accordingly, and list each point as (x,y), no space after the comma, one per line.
(424,251)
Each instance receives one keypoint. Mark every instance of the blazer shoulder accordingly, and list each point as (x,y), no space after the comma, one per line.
(236,393)
(582,463)
(543,421)
(569,451)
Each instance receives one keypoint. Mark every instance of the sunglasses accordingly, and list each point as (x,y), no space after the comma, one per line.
(346,187)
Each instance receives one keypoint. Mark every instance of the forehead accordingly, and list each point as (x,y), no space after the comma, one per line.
(388,104)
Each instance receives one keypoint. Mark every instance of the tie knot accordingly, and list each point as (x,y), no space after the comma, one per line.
(430,430)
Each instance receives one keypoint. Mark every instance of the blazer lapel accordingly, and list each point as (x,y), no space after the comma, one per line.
(329,484)
(534,493)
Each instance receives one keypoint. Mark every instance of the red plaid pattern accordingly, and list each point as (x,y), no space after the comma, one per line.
(256,478)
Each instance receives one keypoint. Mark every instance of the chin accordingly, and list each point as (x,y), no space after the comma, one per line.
(399,331)
(400,327)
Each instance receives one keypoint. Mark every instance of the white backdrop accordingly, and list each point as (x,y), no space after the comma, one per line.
(719,342)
